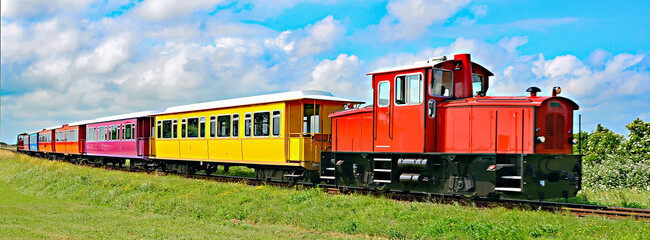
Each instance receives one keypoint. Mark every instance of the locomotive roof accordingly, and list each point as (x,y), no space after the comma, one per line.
(268,98)
(425,64)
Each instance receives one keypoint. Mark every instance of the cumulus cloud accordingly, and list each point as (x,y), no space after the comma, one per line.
(107,55)
(321,37)
(41,40)
(492,56)
(408,19)
(341,76)
(30,8)
(157,10)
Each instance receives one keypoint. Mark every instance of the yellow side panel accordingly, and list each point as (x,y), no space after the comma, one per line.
(225,149)
(294,149)
(264,150)
(194,148)
(167,148)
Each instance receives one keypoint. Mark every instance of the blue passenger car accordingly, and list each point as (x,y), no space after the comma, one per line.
(33,141)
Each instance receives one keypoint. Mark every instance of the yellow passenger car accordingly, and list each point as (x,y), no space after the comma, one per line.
(283,129)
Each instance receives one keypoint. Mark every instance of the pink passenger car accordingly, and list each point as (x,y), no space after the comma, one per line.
(121,136)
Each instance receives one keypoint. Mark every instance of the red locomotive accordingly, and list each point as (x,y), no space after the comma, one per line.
(433,129)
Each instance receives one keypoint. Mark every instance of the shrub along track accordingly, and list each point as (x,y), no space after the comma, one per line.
(574,208)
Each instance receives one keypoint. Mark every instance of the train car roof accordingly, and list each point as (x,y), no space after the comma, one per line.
(268,98)
(34,132)
(54,127)
(121,117)
(77,123)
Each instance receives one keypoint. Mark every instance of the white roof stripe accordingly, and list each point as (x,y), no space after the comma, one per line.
(261,99)
(120,117)
(54,127)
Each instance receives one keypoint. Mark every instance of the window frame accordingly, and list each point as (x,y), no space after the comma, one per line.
(183,128)
(235,118)
(273,123)
(175,128)
(213,126)
(198,124)
(202,127)
(407,88)
(378,93)
(229,125)
(451,90)
(253,124)
(248,117)
(171,128)
(159,129)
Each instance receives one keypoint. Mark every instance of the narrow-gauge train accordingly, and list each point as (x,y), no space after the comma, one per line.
(431,128)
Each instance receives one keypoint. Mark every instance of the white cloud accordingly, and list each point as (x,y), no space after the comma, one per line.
(41,40)
(492,56)
(29,8)
(409,19)
(157,10)
(321,37)
(340,76)
(107,55)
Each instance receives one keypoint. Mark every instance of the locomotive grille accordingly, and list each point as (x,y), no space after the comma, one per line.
(553,130)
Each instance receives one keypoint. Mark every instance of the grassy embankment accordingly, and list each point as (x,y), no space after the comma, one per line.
(55,199)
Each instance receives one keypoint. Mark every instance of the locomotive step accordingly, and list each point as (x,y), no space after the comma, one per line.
(327,177)
(511,177)
(507,189)
(381,170)
(381,181)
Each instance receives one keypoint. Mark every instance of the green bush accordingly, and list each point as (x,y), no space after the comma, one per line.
(613,161)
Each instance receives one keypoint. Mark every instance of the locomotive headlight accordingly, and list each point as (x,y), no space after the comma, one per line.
(541,139)
(573,140)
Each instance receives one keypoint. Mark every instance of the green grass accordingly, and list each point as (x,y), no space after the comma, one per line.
(633,198)
(245,211)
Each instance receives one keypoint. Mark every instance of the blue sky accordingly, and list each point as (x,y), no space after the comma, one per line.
(65,61)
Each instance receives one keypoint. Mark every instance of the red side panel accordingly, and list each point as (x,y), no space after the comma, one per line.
(494,129)
(352,131)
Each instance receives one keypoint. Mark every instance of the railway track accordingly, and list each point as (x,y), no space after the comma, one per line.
(573,208)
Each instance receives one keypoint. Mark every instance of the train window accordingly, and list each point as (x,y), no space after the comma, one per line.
(477,84)
(276,123)
(193,127)
(383,94)
(261,124)
(202,128)
(175,129)
(408,89)
(223,123)
(213,126)
(247,125)
(167,129)
(126,129)
(235,125)
(442,83)
(311,118)
(183,128)
(159,129)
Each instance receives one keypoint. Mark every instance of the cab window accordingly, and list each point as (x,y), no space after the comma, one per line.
(477,84)
(441,83)
(408,89)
